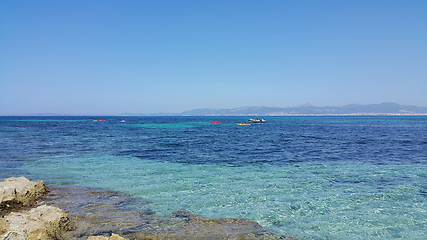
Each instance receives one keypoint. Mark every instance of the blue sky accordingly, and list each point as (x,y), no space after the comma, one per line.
(112,57)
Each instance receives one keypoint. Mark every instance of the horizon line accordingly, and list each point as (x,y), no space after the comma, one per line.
(278,113)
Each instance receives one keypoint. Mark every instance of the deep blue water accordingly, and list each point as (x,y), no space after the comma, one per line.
(311,177)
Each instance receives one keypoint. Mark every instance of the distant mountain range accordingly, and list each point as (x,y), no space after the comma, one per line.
(307,109)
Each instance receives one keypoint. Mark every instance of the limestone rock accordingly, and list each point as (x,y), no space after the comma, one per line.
(19,191)
(97,238)
(116,237)
(41,223)
(113,237)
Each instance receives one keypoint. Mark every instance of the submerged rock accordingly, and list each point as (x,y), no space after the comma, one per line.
(95,214)
(197,227)
(19,192)
(41,223)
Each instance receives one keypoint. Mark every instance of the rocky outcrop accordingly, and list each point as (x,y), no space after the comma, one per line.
(113,237)
(95,213)
(41,223)
(19,192)
(18,223)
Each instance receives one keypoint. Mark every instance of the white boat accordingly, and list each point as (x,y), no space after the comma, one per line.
(253,120)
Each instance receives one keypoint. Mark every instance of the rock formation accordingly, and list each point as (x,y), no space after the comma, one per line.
(19,192)
(94,214)
(41,223)
(113,237)
(17,223)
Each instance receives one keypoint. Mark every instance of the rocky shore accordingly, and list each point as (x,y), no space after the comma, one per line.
(29,210)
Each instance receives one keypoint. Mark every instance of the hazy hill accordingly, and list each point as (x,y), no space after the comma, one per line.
(383,108)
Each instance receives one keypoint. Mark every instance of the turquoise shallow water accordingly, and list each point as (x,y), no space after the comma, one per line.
(313,178)
(329,200)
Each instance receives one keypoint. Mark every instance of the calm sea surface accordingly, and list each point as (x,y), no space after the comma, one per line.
(310,177)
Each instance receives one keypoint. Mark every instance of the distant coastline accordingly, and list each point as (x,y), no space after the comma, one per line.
(383,109)
(315,115)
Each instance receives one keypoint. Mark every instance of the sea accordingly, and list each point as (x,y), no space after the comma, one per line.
(312,177)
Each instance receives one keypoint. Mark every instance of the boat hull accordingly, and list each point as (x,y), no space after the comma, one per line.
(257,120)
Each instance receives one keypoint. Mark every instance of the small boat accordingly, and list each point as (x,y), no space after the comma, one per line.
(216,122)
(99,120)
(252,120)
(122,121)
(243,124)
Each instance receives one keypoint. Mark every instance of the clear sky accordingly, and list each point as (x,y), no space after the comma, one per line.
(141,56)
